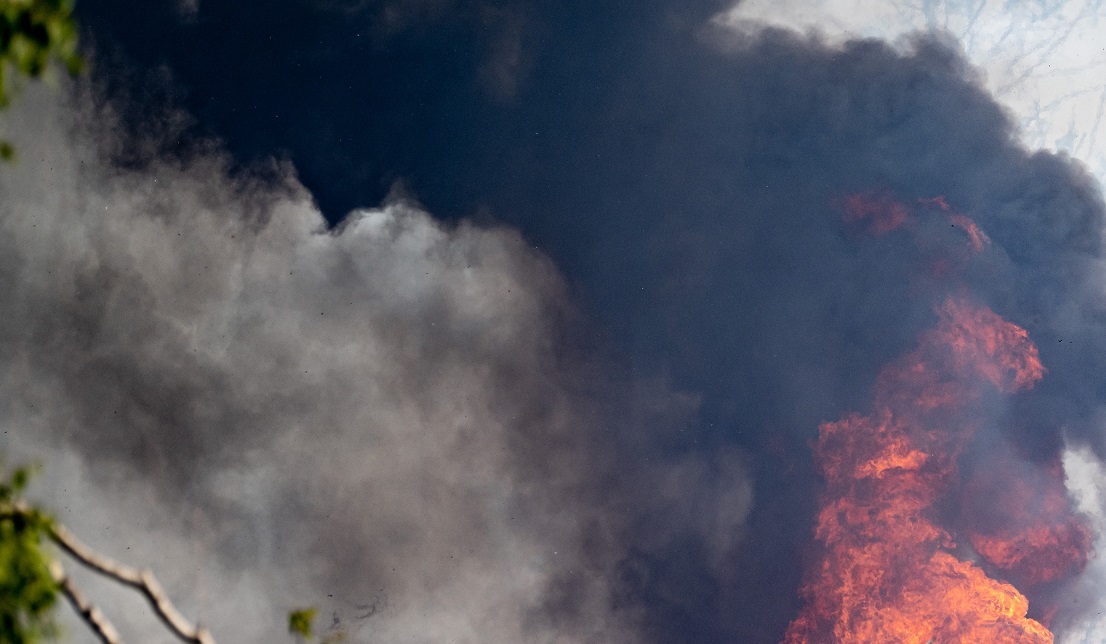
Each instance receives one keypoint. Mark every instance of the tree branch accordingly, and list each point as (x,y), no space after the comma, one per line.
(91,614)
(143,581)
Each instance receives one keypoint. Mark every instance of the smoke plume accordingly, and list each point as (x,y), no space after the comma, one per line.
(404,422)
(592,419)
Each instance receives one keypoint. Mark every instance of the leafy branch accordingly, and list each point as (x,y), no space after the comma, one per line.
(33,33)
(30,580)
(301,623)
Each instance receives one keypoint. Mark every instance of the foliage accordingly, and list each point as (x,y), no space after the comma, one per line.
(300,622)
(28,591)
(32,33)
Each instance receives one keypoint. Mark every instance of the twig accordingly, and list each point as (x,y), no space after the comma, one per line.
(143,581)
(91,614)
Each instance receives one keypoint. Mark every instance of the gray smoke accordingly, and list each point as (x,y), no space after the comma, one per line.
(411,424)
(405,423)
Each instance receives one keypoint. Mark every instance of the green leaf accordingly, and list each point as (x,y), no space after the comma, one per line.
(32,34)
(299,622)
(28,591)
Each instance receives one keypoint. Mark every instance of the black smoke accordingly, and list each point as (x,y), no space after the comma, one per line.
(684,180)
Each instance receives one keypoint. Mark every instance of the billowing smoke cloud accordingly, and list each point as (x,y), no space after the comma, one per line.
(405,422)
(1038,59)
(746,282)
(687,181)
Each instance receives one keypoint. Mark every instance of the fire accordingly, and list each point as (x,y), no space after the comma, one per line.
(976,237)
(882,213)
(1020,522)
(888,571)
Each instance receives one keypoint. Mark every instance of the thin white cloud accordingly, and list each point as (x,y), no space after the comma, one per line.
(188,9)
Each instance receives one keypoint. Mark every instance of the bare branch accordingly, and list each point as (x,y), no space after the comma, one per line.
(143,581)
(91,614)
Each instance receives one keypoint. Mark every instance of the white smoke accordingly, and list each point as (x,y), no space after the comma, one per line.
(391,420)
(1085,477)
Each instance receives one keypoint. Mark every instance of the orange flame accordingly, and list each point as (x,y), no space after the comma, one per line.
(882,213)
(1023,523)
(938,201)
(887,571)
(976,237)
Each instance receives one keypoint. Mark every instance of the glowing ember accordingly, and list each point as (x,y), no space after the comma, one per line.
(976,237)
(938,201)
(882,213)
(887,571)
